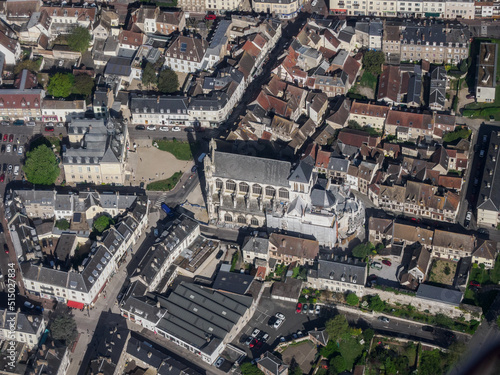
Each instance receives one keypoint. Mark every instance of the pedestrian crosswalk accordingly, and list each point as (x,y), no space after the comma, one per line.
(160,200)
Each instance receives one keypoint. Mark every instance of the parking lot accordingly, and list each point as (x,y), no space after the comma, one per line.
(293,323)
(387,275)
(12,139)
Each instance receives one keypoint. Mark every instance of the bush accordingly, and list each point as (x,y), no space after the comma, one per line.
(352,299)
(338,364)
(41,166)
(62,224)
(102,223)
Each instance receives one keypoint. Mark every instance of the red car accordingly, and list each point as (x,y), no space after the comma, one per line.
(387,263)
(299,308)
(210,17)
(253,343)
(49,128)
(5,137)
(258,345)
(11,138)
(2,177)
(474,283)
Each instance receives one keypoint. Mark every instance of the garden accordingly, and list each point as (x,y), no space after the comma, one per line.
(181,150)
(442,272)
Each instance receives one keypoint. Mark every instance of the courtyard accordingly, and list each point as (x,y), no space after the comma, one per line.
(442,271)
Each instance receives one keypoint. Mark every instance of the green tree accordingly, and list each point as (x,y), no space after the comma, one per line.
(83,85)
(79,39)
(41,166)
(168,81)
(430,363)
(63,328)
(338,364)
(62,224)
(102,223)
(60,85)
(149,75)
(368,334)
(376,304)
(362,250)
(248,369)
(337,327)
(295,368)
(31,65)
(372,62)
(352,299)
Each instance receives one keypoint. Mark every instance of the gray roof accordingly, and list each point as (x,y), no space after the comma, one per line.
(338,164)
(167,104)
(119,66)
(489,196)
(232,282)
(272,363)
(214,101)
(415,87)
(322,198)
(256,244)
(200,316)
(251,169)
(443,295)
(351,272)
(302,173)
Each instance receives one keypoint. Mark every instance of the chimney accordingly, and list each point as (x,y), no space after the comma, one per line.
(158,99)
(283,242)
(150,354)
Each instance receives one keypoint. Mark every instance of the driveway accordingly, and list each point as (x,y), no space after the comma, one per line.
(388,274)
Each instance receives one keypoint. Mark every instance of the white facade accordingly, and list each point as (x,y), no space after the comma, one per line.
(460,9)
(25,328)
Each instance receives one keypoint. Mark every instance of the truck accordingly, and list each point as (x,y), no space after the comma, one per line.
(166,209)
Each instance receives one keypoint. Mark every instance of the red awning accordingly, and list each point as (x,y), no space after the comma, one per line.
(76,305)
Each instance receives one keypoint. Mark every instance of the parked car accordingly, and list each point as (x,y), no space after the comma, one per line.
(60,125)
(31,123)
(189,130)
(11,138)
(474,283)
(318,309)
(49,128)
(29,305)
(485,138)
(476,181)
(151,127)
(219,362)
(194,168)
(305,308)
(470,96)
(280,316)
(298,310)
(468,218)
(282,339)
(5,123)
(5,137)
(384,319)
(164,128)
(10,168)
(387,262)
(5,248)
(249,340)
(277,323)
(18,123)
(9,147)
(14,148)
(16,170)
(140,127)
(20,150)
(265,337)
(176,129)
(255,332)
(3,149)
(210,17)
(300,334)
(2,177)
(376,265)
(427,328)
(481,153)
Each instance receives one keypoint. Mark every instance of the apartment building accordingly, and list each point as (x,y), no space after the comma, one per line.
(460,9)
(198,6)
(284,9)
(411,124)
(65,18)
(97,152)
(24,101)
(486,72)
(372,115)
(223,5)
(339,275)
(488,201)
(287,249)
(186,54)
(20,327)
(159,110)
(62,110)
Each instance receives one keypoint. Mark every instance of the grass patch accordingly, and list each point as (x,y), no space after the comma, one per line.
(165,185)
(442,272)
(350,349)
(368,80)
(181,150)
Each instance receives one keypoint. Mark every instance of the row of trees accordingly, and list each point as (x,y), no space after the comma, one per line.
(62,85)
(166,81)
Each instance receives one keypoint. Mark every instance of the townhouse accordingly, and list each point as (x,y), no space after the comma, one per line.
(62,110)
(64,18)
(186,54)
(287,249)
(486,72)
(21,327)
(24,101)
(366,114)
(488,202)
(286,9)
(408,125)
(159,110)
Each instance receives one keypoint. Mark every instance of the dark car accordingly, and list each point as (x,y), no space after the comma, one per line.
(2,177)
(4,168)
(51,243)
(387,262)
(18,123)
(219,254)
(14,149)
(44,243)
(427,328)
(140,127)
(470,96)
(194,168)
(11,138)
(3,149)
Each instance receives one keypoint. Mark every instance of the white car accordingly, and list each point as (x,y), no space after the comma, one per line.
(60,125)
(164,129)
(318,309)
(20,150)
(176,129)
(255,332)
(151,127)
(277,323)
(31,123)
(9,148)
(16,170)
(280,316)
(219,362)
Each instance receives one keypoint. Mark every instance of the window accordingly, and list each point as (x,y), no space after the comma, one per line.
(257,189)
(270,192)
(242,219)
(228,218)
(283,193)
(244,188)
(218,184)
(230,185)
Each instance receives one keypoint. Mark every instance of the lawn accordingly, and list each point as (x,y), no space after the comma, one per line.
(181,150)
(368,80)
(351,349)
(442,271)
(165,185)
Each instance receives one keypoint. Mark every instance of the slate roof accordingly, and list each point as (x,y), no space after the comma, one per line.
(251,169)
(351,271)
(489,195)
(302,173)
(232,282)
(119,66)
(272,364)
(255,244)
(294,246)
(487,250)
(443,295)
